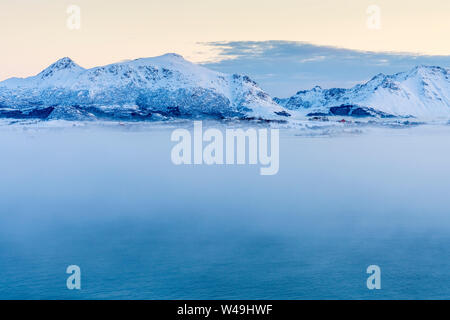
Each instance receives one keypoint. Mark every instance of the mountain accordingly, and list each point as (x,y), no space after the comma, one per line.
(422,92)
(168,86)
(149,88)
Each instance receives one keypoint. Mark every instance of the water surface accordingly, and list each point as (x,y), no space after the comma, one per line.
(111,201)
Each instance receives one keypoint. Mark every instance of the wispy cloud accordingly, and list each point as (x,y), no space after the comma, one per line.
(313,59)
(284,67)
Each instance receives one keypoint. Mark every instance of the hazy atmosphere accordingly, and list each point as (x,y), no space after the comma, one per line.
(206,149)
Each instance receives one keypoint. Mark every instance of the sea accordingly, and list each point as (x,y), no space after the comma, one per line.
(109,200)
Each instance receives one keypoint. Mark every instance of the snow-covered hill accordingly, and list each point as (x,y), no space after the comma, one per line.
(169,86)
(423,92)
(164,86)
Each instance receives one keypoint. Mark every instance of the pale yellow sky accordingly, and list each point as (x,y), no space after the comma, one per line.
(34,33)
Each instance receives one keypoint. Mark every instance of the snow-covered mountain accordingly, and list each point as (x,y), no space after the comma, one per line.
(164,86)
(169,86)
(422,92)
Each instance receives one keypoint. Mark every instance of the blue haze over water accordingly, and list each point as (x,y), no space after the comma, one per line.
(112,202)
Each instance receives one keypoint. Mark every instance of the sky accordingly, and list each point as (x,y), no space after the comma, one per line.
(284,67)
(35,33)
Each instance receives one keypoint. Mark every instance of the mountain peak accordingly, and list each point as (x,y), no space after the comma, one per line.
(167,56)
(173,55)
(163,60)
(426,69)
(62,64)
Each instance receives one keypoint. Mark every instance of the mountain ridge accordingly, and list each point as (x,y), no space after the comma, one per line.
(423,91)
(166,85)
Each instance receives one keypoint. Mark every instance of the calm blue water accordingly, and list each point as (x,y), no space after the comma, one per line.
(111,202)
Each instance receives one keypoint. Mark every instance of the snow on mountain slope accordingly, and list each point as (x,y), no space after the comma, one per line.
(167,85)
(422,92)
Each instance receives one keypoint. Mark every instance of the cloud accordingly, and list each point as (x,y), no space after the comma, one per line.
(313,59)
(285,67)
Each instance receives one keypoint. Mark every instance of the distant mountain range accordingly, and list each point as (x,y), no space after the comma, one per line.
(422,92)
(168,87)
